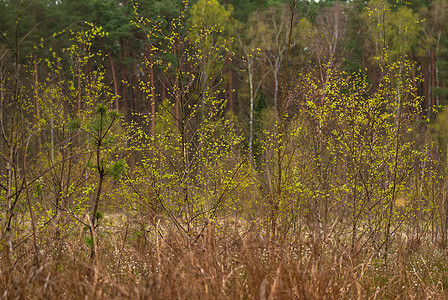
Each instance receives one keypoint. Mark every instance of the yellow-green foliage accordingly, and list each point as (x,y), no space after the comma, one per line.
(191,166)
(391,33)
(351,148)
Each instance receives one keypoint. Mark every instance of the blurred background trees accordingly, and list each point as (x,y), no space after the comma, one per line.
(338,32)
(325,119)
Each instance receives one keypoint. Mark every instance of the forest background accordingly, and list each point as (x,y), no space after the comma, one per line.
(223,149)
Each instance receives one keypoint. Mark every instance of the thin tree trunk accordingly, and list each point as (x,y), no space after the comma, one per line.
(263,72)
(437,81)
(101,173)
(275,208)
(276,71)
(153,93)
(2,97)
(445,232)
(426,92)
(124,84)
(229,64)
(79,90)
(251,85)
(114,79)
(30,210)
(433,76)
(10,170)
(36,100)
(10,213)
(132,81)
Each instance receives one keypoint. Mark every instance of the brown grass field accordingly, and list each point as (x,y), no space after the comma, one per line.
(232,260)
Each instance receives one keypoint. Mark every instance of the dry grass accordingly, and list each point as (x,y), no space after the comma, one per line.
(137,263)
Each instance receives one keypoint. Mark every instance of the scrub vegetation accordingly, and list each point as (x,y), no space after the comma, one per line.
(223,150)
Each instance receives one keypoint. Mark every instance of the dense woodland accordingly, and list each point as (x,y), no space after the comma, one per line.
(205,149)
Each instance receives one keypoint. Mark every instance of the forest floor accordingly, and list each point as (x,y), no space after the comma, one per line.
(235,260)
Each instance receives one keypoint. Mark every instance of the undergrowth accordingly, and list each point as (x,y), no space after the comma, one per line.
(136,261)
